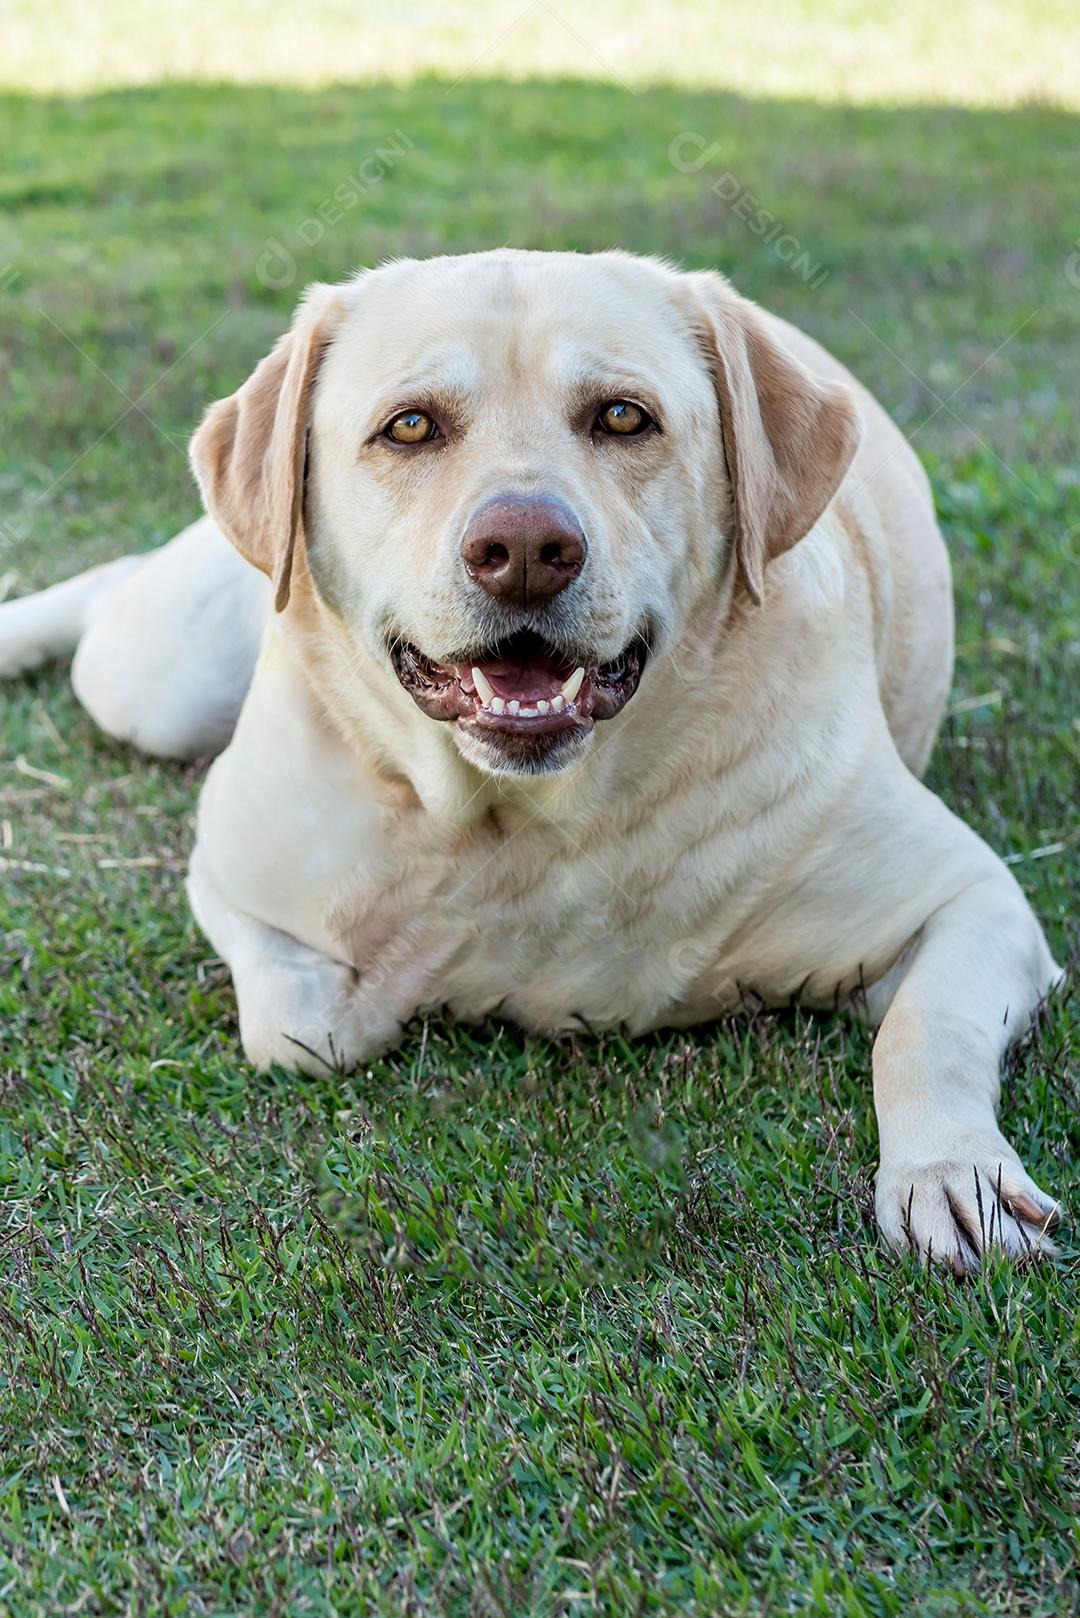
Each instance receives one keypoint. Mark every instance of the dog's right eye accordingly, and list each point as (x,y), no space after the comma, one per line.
(411,427)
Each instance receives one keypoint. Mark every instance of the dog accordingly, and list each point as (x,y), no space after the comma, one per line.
(572,635)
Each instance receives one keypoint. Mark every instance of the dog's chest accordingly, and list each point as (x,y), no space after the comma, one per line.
(551,929)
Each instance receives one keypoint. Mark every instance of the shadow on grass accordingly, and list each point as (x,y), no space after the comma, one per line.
(137,219)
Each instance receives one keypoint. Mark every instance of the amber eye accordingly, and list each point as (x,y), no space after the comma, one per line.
(411,427)
(622,417)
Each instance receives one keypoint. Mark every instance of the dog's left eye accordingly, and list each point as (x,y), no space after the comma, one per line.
(623,417)
(411,427)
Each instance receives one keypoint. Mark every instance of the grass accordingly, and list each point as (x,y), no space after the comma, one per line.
(503,1326)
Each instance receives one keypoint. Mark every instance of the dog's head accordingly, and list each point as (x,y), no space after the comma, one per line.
(515,475)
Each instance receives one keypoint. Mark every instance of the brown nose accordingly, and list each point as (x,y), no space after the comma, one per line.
(523,548)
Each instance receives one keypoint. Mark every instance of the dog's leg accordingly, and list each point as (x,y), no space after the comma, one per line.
(164,644)
(950,1186)
(167,660)
(298,1008)
(35,629)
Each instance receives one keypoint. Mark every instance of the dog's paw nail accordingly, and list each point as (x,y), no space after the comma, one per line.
(1045,1219)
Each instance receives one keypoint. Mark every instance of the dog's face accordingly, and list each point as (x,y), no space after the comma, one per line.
(514,484)
(516,474)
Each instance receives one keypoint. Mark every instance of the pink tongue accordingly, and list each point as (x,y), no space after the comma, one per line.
(526,682)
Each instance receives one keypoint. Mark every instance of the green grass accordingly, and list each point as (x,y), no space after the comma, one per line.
(502,1326)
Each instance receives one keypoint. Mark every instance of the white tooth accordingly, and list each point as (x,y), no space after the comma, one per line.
(558,703)
(528,713)
(513,706)
(543,707)
(571,687)
(484,687)
(497,705)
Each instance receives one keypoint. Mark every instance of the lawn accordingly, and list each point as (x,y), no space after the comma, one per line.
(503,1326)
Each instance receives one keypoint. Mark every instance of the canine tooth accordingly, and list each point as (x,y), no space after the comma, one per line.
(572,686)
(513,706)
(558,703)
(543,706)
(497,705)
(484,688)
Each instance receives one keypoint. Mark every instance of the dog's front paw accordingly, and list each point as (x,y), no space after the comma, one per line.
(315,1019)
(972,1199)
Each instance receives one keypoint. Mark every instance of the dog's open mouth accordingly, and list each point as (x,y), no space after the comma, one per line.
(523,687)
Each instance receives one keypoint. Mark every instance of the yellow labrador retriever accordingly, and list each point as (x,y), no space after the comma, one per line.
(576,634)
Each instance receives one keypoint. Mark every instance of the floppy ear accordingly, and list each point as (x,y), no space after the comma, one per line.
(789,436)
(249,452)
